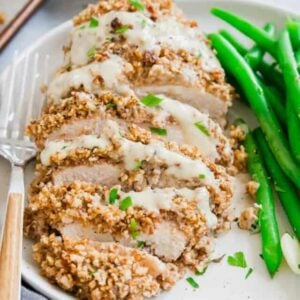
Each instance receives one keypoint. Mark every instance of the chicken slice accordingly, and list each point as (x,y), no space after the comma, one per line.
(194,96)
(85,114)
(101,173)
(111,144)
(151,216)
(168,55)
(167,242)
(94,270)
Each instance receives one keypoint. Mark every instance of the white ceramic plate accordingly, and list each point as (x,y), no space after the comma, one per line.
(220,280)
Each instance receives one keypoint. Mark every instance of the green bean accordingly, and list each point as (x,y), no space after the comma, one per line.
(234,63)
(271,74)
(297,57)
(276,94)
(294,32)
(291,77)
(255,60)
(271,249)
(267,70)
(260,37)
(287,192)
(274,99)
(255,55)
(293,130)
(237,45)
(246,27)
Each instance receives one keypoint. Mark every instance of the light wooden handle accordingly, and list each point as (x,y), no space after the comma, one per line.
(11,249)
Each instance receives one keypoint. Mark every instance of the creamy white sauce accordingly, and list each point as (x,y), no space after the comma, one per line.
(194,96)
(178,165)
(162,199)
(63,148)
(145,33)
(189,74)
(187,116)
(89,98)
(110,71)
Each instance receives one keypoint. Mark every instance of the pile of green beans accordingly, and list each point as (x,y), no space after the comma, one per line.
(236,65)
(273,92)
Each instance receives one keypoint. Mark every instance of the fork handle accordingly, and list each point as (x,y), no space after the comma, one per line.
(11,248)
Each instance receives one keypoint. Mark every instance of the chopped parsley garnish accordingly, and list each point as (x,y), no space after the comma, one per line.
(250,270)
(63,147)
(140,244)
(133,228)
(201,176)
(81,27)
(93,22)
(237,260)
(198,273)
(151,100)
(202,128)
(110,38)
(159,131)
(138,164)
(125,203)
(137,4)
(261,256)
(91,52)
(122,29)
(92,273)
(192,282)
(113,196)
(110,105)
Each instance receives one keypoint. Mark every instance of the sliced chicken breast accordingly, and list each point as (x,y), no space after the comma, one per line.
(93,270)
(204,102)
(170,120)
(151,216)
(132,51)
(155,158)
(101,173)
(132,183)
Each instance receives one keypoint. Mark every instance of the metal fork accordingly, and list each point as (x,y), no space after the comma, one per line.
(19,96)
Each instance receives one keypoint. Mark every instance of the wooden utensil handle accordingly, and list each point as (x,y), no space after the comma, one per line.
(18,21)
(11,248)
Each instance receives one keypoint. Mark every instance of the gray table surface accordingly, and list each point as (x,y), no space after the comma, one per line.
(51,14)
